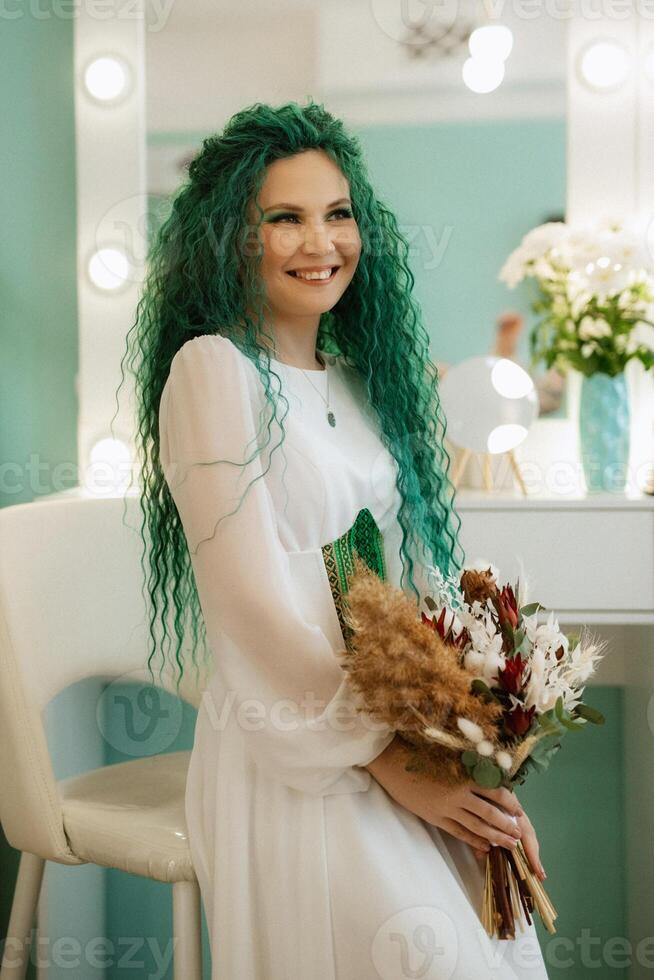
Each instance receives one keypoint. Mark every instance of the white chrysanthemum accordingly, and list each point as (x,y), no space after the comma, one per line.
(577,250)
(485,747)
(542,268)
(471,730)
(504,760)
(642,335)
(624,299)
(592,327)
(514,269)
(560,308)
(580,297)
(587,349)
(542,238)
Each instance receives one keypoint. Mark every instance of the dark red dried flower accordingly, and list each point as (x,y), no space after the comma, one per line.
(447,635)
(511,676)
(478,586)
(507,607)
(519,719)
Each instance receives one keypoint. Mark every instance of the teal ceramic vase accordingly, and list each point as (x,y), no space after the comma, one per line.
(604,432)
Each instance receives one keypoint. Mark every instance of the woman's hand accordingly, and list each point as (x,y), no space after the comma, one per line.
(529,843)
(478,816)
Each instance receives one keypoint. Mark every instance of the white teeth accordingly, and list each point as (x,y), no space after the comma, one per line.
(313,275)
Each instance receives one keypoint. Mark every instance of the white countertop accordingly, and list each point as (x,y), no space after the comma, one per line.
(507,500)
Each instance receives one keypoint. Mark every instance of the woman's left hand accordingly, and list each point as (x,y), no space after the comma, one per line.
(529,843)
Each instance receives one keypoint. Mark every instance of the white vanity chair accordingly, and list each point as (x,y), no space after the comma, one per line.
(71,608)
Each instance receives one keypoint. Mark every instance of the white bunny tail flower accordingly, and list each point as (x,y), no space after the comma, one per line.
(504,760)
(485,747)
(470,729)
(474,662)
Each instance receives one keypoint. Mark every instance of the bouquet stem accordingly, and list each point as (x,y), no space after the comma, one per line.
(511,889)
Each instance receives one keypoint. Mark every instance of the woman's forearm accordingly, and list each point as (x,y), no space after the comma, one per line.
(386,761)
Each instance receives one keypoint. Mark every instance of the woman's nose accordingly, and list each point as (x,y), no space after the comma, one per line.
(318,239)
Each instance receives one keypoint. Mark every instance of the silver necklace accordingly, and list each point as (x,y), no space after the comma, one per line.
(330,415)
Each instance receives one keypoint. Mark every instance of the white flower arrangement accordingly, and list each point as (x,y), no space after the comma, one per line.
(595,293)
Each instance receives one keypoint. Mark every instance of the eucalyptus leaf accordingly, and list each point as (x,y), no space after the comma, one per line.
(524,646)
(573,725)
(542,751)
(478,686)
(548,721)
(591,714)
(470,758)
(552,729)
(487,774)
(531,608)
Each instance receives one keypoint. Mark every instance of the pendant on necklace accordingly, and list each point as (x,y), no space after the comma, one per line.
(331,419)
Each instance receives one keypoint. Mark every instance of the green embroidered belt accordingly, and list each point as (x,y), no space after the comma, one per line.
(363,539)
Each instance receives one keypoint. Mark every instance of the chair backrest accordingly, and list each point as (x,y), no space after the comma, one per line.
(71,607)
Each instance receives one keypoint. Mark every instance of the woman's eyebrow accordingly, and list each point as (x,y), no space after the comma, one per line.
(294,207)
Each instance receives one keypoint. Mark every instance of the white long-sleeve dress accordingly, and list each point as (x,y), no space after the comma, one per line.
(308,869)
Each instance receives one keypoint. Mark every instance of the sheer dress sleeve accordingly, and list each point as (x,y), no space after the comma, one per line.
(275,657)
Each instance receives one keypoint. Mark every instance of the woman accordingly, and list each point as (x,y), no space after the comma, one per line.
(286,396)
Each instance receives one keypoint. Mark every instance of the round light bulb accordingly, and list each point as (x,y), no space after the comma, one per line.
(502,411)
(603,65)
(107,79)
(109,269)
(504,438)
(493,41)
(110,467)
(510,380)
(482,75)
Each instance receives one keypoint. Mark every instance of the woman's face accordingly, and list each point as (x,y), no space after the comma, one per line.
(307,224)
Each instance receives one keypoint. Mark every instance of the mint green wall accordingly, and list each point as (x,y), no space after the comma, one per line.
(477,187)
(577,808)
(38,320)
(38,328)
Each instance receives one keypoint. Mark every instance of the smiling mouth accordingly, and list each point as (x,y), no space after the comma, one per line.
(315,281)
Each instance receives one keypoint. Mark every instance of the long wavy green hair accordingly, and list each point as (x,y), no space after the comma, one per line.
(203,277)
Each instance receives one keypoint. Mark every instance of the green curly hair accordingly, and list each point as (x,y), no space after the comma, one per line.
(201,269)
